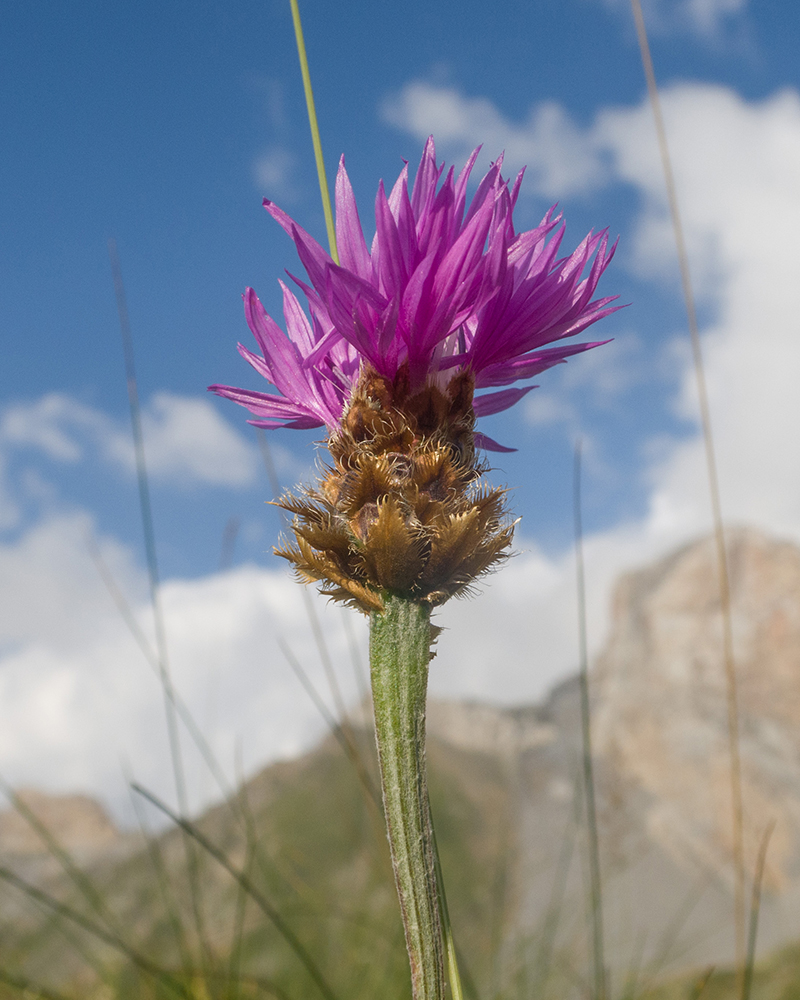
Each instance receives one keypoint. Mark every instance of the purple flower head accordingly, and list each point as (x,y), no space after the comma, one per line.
(446,285)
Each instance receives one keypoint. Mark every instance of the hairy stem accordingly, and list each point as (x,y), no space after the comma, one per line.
(400,640)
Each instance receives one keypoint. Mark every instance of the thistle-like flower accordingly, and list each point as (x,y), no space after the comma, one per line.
(449,300)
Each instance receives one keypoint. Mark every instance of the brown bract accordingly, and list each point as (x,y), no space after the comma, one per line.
(402,508)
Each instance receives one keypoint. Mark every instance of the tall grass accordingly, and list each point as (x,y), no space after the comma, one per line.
(723,576)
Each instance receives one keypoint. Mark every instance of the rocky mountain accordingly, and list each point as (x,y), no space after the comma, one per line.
(507,801)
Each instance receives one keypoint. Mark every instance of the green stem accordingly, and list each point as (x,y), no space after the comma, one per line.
(400,641)
(314,125)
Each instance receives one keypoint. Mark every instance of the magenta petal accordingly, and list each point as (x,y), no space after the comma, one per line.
(445,285)
(350,243)
(489,444)
(496,402)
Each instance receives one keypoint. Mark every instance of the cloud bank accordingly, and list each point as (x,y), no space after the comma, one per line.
(76,696)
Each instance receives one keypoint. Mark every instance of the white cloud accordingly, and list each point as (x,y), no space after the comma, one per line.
(50,423)
(707,20)
(543,408)
(77,697)
(557,153)
(75,693)
(186,439)
(10,512)
(736,164)
(273,173)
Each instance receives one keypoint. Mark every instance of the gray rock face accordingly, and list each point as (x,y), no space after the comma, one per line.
(78,822)
(662,715)
(660,732)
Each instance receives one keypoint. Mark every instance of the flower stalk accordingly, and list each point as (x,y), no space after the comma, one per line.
(400,642)
(401,339)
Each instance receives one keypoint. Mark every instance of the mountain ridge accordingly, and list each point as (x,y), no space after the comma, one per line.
(505,786)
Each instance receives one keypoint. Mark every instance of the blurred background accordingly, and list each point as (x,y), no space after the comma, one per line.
(163,126)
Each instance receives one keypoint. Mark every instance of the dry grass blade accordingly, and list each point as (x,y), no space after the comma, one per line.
(737,807)
(699,985)
(30,989)
(359,673)
(453,971)
(147,520)
(235,957)
(179,705)
(165,678)
(249,887)
(342,736)
(110,938)
(755,908)
(158,863)
(555,905)
(342,730)
(595,882)
(78,877)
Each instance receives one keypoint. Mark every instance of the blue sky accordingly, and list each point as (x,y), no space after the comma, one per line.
(164,125)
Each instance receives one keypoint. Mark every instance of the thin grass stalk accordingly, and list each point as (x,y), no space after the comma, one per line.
(498,903)
(314,125)
(165,677)
(268,866)
(181,709)
(699,985)
(371,792)
(311,611)
(737,807)
(451,955)
(56,922)
(359,674)
(755,909)
(146,512)
(262,984)
(30,989)
(670,935)
(244,880)
(232,991)
(240,812)
(78,877)
(544,953)
(164,885)
(95,929)
(595,882)
(228,545)
(342,730)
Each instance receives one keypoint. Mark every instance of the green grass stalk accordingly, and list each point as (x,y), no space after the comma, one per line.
(595,882)
(29,989)
(147,524)
(192,858)
(737,806)
(453,972)
(96,930)
(244,880)
(314,125)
